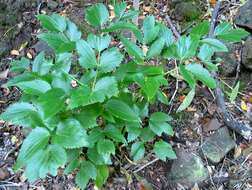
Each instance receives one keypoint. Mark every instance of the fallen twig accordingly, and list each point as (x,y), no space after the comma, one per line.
(145,165)
(173,28)
(229,120)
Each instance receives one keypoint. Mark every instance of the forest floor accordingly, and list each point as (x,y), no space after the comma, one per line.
(198,125)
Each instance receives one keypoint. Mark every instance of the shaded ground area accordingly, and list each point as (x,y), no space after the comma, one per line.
(204,161)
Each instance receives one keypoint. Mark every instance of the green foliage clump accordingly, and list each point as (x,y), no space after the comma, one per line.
(79,119)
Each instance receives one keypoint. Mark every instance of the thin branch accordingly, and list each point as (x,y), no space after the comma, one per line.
(173,28)
(146,165)
(229,120)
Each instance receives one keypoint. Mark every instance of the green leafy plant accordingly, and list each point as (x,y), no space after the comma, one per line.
(80,118)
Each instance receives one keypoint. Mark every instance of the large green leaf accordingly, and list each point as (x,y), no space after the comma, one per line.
(97,15)
(24,114)
(115,134)
(206,52)
(134,131)
(150,30)
(222,28)
(150,87)
(121,26)
(34,87)
(52,102)
(102,175)
(201,29)
(158,123)
(119,9)
(121,110)
(166,34)
(99,43)
(110,59)
(164,150)
(187,76)
(105,147)
(137,151)
(87,171)
(87,55)
(20,65)
(72,31)
(34,142)
(187,101)
(217,45)
(53,23)
(133,50)
(70,134)
(155,48)
(97,158)
(201,74)
(105,87)
(57,41)
(88,115)
(186,47)
(41,65)
(45,161)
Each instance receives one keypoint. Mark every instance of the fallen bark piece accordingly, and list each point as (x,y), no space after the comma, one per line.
(218,145)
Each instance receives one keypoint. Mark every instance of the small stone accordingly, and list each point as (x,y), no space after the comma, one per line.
(244,15)
(247,53)
(218,145)
(14,52)
(187,170)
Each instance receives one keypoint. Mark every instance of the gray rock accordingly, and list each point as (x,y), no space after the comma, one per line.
(187,170)
(247,53)
(229,60)
(218,145)
(244,15)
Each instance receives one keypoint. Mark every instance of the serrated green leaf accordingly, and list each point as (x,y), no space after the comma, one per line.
(72,31)
(102,175)
(150,30)
(201,29)
(62,63)
(155,48)
(166,34)
(87,55)
(121,110)
(99,43)
(87,172)
(97,158)
(20,65)
(119,9)
(217,45)
(52,102)
(158,123)
(110,59)
(206,52)
(134,131)
(105,147)
(201,74)
(121,26)
(150,87)
(187,76)
(95,135)
(45,161)
(222,28)
(164,150)
(115,134)
(187,101)
(88,115)
(97,15)
(40,65)
(133,50)
(57,41)
(54,23)
(34,87)
(34,142)
(233,35)
(137,151)
(105,87)
(186,47)
(22,113)
(70,134)
(72,165)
